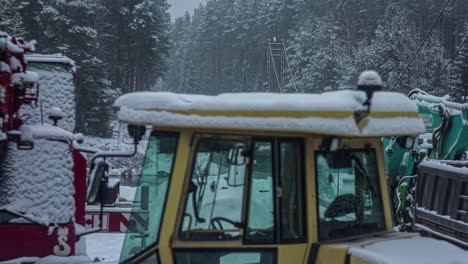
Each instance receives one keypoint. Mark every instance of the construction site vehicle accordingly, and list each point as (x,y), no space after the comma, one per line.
(438,198)
(442,200)
(17,86)
(267,178)
(42,178)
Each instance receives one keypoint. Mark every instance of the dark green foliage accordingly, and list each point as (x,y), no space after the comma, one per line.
(221,48)
(118,45)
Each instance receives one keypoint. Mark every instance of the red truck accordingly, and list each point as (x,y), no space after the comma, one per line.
(42,177)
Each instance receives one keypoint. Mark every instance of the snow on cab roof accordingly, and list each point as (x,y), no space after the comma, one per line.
(326,113)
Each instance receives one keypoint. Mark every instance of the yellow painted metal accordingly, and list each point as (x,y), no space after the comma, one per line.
(174,197)
(311,145)
(287,253)
(277,114)
(394,114)
(263,131)
(292,253)
(387,204)
(283,113)
(357,260)
(330,254)
(260,113)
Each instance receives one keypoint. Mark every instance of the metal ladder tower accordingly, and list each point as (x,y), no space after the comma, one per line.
(278,70)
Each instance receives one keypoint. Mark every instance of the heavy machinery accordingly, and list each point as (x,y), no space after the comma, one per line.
(437,158)
(17,86)
(42,178)
(268,178)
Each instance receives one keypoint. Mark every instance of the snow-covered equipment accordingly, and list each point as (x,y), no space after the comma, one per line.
(268,178)
(55,114)
(105,210)
(439,196)
(369,82)
(42,195)
(57,78)
(42,178)
(18,86)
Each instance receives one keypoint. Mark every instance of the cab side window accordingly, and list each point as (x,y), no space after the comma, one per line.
(276,204)
(262,196)
(292,196)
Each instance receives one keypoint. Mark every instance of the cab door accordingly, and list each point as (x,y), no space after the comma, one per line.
(276,205)
(244,202)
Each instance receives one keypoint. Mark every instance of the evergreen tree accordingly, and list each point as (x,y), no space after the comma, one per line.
(118,46)
(10,19)
(317,56)
(392,47)
(69,28)
(457,73)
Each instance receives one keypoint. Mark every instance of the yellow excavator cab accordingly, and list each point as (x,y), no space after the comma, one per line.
(264,178)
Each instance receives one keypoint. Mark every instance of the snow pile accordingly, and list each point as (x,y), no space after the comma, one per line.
(50,260)
(21,77)
(331,112)
(51,132)
(443,166)
(4,67)
(29,133)
(426,100)
(39,183)
(339,126)
(104,247)
(411,250)
(127,193)
(50,58)
(447,217)
(2,94)
(369,78)
(57,89)
(56,112)
(242,101)
(13,48)
(15,65)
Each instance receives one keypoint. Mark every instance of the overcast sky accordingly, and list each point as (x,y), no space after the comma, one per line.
(178,7)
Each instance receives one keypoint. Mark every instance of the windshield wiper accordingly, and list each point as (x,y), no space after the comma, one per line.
(365,175)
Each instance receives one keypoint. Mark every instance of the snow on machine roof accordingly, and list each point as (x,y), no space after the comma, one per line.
(327,113)
(51,58)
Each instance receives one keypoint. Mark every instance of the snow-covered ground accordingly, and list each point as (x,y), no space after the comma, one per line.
(104,246)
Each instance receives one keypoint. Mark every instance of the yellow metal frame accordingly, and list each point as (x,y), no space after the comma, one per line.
(301,114)
(283,113)
(287,253)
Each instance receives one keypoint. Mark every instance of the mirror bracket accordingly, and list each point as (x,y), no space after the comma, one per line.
(136,132)
(331,143)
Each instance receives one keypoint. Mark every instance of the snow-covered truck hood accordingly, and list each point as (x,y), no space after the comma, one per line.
(38,183)
(326,113)
(403,248)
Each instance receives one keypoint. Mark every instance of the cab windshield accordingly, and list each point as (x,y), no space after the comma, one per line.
(349,197)
(145,218)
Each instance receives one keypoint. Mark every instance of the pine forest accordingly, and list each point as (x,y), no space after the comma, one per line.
(122,46)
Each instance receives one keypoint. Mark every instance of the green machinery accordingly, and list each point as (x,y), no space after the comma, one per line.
(446,139)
